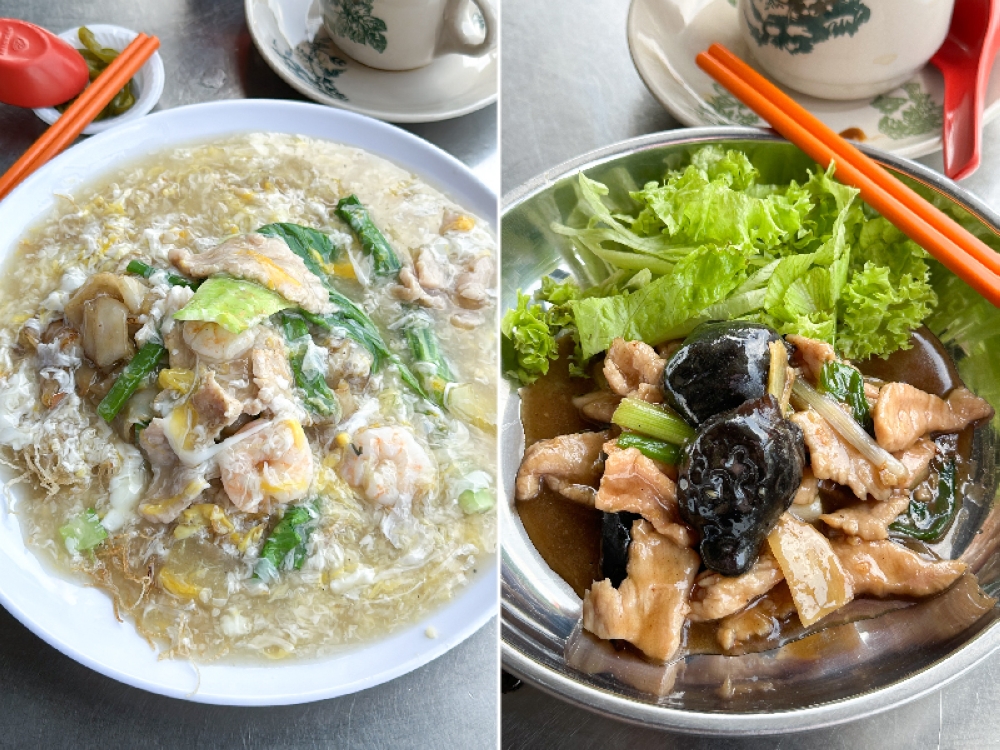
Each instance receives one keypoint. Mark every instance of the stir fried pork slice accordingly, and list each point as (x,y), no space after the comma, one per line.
(474,283)
(648,609)
(174,486)
(760,620)
(715,596)
(266,260)
(903,414)
(571,459)
(633,482)
(811,355)
(869,520)
(808,491)
(633,368)
(598,406)
(830,457)
(884,568)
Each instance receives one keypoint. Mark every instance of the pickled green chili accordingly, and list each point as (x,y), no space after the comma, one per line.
(929,521)
(98,58)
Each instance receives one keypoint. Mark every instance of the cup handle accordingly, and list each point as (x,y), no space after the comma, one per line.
(454,38)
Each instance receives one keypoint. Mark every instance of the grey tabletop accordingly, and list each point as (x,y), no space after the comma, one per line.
(49,701)
(568,86)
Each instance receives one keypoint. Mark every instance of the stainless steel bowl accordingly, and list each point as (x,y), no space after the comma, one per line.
(869,666)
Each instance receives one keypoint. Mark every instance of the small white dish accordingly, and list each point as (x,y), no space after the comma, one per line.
(665,35)
(78,619)
(148,81)
(291,37)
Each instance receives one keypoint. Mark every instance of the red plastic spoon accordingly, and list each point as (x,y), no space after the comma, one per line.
(37,68)
(966,59)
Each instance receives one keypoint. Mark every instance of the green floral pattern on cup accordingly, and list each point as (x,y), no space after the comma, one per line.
(353,19)
(797,26)
(315,65)
(726,109)
(915,113)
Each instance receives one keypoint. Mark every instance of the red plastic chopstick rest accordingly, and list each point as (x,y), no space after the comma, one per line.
(37,68)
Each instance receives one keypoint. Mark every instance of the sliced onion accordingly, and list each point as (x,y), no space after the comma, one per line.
(891,470)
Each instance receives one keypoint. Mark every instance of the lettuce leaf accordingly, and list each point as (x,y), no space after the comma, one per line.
(705,277)
(235,304)
(526,327)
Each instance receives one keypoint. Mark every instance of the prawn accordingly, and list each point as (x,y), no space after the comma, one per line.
(214,343)
(274,464)
(388,465)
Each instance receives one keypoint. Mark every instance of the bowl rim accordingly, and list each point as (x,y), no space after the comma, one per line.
(720,724)
(125,656)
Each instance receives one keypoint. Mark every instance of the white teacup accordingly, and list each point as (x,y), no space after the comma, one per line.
(844,49)
(405,34)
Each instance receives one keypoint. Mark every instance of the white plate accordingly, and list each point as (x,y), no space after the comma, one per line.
(291,37)
(665,35)
(148,80)
(78,620)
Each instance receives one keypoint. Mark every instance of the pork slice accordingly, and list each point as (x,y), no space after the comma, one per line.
(431,273)
(715,596)
(573,459)
(474,285)
(266,260)
(633,368)
(174,486)
(810,355)
(409,290)
(598,406)
(869,520)
(634,483)
(830,457)
(649,608)
(216,409)
(884,568)
(808,491)
(759,620)
(272,376)
(903,414)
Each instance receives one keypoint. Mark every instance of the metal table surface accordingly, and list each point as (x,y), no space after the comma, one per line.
(568,86)
(49,701)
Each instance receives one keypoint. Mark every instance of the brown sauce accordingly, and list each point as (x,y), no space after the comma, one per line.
(568,535)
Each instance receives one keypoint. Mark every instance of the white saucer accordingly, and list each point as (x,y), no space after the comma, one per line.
(291,37)
(665,35)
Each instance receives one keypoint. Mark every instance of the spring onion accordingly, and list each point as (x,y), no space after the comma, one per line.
(845,384)
(658,450)
(373,242)
(653,421)
(141,365)
(929,521)
(892,472)
(139,268)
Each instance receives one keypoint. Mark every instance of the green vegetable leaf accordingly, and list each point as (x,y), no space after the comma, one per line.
(83,532)
(879,311)
(476,501)
(527,329)
(287,541)
(314,247)
(235,304)
(651,314)
(846,384)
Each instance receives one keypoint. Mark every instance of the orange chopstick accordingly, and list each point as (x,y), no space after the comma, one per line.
(961,252)
(81,112)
